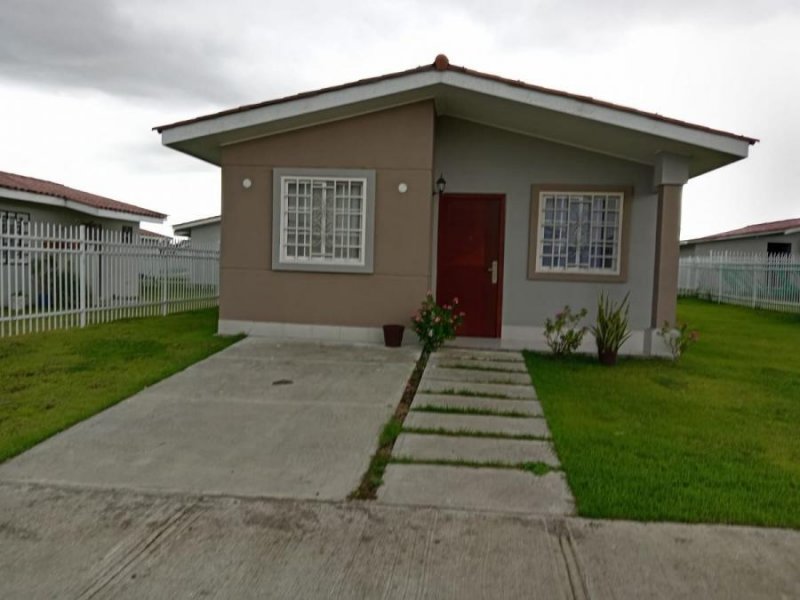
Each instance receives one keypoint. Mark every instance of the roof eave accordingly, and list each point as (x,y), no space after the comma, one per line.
(204,137)
(58,201)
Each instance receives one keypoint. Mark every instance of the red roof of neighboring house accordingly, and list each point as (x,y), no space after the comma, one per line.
(153,234)
(443,64)
(751,231)
(48,188)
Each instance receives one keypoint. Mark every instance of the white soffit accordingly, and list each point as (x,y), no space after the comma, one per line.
(484,100)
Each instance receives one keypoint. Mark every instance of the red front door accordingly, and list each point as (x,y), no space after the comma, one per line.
(470,259)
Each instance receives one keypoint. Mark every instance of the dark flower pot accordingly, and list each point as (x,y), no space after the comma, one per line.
(393,335)
(607,357)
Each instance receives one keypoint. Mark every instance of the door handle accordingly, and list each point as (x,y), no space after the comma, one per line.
(493,271)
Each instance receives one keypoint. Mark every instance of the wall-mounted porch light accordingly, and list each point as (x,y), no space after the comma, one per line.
(441,184)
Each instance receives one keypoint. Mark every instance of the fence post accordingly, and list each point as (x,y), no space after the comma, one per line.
(164,269)
(719,286)
(82,275)
(755,292)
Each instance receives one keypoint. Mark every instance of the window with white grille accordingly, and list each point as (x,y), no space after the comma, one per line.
(579,232)
(324,221)
(14,226)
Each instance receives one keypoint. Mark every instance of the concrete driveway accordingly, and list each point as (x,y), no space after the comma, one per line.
(260,418)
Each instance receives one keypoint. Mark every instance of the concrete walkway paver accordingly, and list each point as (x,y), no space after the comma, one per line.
(476,439)
(484,424)
(479,355)
(433,372)
(524,407)
(492,366)
(430,385)
(507,490)
(473,449)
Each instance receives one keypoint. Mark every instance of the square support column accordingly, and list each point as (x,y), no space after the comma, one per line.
(665,279)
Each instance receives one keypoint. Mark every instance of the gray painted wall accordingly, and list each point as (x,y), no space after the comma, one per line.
(753,245)
(206,235)
(476,158)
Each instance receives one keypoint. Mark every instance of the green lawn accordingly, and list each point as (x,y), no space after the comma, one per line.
(49,381)
(713,438)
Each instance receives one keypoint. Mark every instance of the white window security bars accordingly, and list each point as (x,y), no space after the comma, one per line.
(323,220)
(579,232)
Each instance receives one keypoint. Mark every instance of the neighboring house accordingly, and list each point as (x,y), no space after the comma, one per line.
(332,225)
(203,234)
(151,237)
(201,231)
(26,200)
(773,238)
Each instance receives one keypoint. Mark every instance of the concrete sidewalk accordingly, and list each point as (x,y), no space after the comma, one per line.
(261,418)
(79,543)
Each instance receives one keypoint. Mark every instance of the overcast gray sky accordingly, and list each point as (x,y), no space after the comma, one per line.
(83,82)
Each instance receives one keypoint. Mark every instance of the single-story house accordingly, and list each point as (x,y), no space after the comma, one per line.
(201,231)
(776,238)
(342,207)
(27,200)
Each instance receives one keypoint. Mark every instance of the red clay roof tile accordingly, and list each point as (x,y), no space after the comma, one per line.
(443,64)
(48,188)
(751,230)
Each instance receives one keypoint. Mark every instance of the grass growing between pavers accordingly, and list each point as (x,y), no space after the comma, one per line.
(50,381)
(474,433)
(465,367)
(713,438)
(484,412)
(470,394)
(373,477)
(536,468)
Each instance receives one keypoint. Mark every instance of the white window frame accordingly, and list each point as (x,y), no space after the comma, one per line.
(579,270)
(282,261)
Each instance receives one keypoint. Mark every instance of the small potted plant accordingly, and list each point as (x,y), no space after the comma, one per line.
(393,335)
(611,328)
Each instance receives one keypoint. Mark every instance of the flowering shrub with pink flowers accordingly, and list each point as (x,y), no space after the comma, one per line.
(678,338)
(435,324)
(562,333)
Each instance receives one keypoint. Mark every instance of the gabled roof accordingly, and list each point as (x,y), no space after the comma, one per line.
(40,191)
(183,228)
(534,110)
(786,226)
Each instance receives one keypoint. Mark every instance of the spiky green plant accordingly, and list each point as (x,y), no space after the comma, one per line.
(611,328)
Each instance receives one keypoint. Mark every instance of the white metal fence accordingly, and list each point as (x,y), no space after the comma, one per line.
(56,277)
(755,280)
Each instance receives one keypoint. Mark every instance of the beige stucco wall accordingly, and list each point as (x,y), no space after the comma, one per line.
(398,145)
